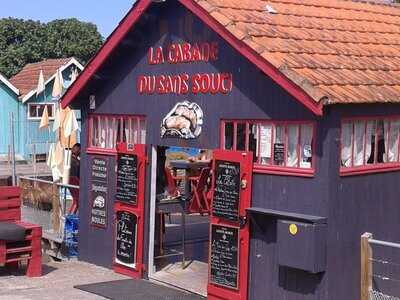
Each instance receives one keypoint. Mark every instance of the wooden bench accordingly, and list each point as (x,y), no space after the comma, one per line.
(30,249)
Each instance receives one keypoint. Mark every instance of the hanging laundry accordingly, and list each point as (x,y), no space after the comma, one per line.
(44,121)
(71,124)
(57,120)
(40,87)
(58,85)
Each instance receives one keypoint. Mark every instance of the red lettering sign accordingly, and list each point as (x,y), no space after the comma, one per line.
(206,83)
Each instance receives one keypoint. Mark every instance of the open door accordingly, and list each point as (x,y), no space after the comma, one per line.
(229,228)
(129,210)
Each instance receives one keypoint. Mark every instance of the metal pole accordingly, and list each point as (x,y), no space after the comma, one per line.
(14,179)
(183,226)
(50,182)
(383,243)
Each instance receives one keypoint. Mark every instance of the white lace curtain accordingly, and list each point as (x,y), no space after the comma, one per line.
(305,133)
(106,131)
(361,140)
(306,146)
(347,132)
(393,140)
(293,140)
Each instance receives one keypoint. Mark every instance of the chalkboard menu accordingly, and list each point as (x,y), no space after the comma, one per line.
(279,152)
(125,251)
(127,178)
(227,190)
(98,185)
(224,268)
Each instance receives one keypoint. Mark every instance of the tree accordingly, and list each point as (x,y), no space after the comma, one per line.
(72,38)
(23,42)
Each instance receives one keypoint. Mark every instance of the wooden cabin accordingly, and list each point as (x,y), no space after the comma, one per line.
(8,103)
(19,96)
(299,98)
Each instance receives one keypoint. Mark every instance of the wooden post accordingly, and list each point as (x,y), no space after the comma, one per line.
(12,143)
(9,156)
(366,266)
(34,159)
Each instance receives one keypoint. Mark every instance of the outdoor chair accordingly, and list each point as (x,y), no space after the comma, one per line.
(172,182)
(199,202)
(19,241)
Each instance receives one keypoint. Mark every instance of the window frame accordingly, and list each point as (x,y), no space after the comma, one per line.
(371,168)
(40,117)
(274,169)
(112,151)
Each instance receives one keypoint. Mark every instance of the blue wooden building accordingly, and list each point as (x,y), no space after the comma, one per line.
(8,103)
(301,98)
(18,95)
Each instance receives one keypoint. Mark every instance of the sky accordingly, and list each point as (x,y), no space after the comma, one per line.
(104,13)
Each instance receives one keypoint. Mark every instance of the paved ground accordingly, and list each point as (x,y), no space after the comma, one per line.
(57,282)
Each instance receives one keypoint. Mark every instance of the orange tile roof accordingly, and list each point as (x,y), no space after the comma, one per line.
(27,79)
(338,51)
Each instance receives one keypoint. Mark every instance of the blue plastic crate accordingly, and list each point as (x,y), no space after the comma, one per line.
(71,229)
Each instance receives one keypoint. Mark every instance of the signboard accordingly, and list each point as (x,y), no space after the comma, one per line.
(226,190)
(184,83)
(279,152)
(126,233)
(99,183)
(127,178)
(224,257)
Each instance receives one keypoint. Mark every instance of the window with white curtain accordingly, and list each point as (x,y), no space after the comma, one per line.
(273,143)
(369,141)
(35,110)
(106,131)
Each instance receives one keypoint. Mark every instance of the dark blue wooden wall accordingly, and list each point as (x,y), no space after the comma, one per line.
(352,205)
(358,204)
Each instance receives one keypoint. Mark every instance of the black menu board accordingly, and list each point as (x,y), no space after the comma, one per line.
(98,186)
(227,190)
(126,226)
(224,268)
(127,178)
(279,152)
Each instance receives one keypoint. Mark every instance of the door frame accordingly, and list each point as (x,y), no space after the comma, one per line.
(152,217)
(137,209)
(216,291)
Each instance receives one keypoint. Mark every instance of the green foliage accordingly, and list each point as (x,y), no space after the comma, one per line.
(23,42)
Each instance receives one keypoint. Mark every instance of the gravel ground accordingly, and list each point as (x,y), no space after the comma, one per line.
(56,283)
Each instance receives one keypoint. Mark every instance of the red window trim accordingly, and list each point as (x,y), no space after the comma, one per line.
(102,151)
(372,168)
(112,118)
(273,169)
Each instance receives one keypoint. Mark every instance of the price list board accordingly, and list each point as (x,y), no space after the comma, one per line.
(226,190)
(127,178)
(279,152)
(99,189)
(224,257)
(126,238)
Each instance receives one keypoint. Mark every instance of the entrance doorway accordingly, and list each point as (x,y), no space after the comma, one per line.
(199,233)
(181,200)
